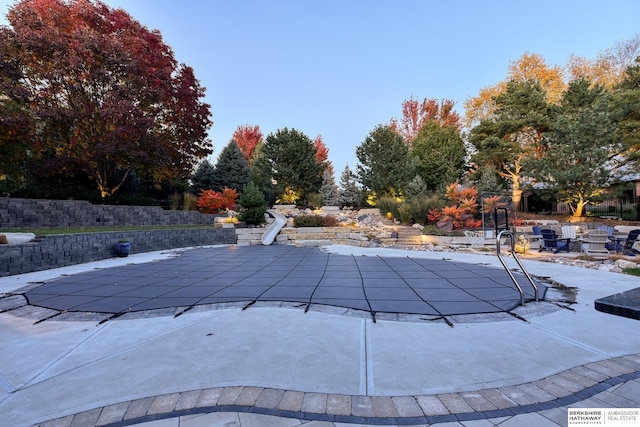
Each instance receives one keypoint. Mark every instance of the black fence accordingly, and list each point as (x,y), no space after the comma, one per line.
(625,207)
(616,209)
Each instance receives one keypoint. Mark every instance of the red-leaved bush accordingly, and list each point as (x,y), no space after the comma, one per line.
(460,213)
(213,202)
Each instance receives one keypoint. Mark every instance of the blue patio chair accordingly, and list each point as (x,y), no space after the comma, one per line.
(610,230)
(625,245)
(551,241)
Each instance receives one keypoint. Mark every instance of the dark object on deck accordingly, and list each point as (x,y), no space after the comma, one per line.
(625,245)
(551,241)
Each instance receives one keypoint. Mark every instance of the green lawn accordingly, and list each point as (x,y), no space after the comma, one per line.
(78,230)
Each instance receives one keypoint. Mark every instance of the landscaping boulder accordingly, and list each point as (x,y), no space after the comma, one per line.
(623,263)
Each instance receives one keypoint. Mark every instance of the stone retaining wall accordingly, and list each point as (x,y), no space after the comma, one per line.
(55,251)
(41,213)
(317,236)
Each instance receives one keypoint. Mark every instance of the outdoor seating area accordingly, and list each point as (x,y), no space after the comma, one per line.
(592,239)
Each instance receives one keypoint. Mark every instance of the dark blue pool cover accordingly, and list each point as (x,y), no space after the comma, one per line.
(286,273)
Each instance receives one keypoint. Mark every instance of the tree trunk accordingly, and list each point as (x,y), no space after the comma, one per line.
(579,209)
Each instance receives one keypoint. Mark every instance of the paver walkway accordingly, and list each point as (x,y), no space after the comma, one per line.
(541,403)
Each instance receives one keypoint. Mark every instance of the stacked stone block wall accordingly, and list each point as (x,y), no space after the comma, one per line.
(309,236)
(37,213)
(54,251)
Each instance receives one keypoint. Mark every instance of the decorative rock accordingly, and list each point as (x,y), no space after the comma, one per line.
(364,219)
(623,263)
(330,209)
(370,211)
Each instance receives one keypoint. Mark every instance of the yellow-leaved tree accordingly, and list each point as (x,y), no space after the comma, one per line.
(529,67)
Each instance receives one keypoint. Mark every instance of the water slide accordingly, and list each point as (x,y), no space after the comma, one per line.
(274,228)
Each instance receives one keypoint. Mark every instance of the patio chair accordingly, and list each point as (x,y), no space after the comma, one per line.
(595,244)
(609,229)
(551,241)
(475,237)
(625,245)
(569,232)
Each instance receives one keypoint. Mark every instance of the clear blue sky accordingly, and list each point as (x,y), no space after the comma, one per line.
(339,68)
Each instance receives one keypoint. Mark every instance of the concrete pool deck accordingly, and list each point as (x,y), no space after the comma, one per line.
(215,367)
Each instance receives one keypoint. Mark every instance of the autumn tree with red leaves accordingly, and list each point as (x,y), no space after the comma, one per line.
(108,94)
(16,121)
(248,137)
(322,154)
(416,114)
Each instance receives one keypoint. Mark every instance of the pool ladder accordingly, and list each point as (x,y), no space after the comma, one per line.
(509,234)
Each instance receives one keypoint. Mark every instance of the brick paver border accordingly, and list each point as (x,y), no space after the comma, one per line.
(562,389)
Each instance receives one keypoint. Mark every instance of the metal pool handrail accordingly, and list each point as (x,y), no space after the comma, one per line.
(509,233)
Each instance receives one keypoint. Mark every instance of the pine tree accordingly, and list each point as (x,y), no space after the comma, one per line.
(582,140)
(288,159)
(232,169)
(416,188)
(489,181)
(440,154)
(383,162)
(253,204)
(329,189)
(202,178)
(349,194)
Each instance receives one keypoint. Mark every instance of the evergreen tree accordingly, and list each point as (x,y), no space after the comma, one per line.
(350,194)
(261,179)
(416,188)
(232,169)
(202,178)
(288,159)
(489,181)
(627,108)
(576,164)
(383,167)
(329,189)
(515,132)
(253,205)
(439,153)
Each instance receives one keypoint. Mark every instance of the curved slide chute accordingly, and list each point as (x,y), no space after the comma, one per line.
(274,228)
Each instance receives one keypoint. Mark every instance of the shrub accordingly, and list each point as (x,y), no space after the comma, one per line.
(189,201)
(461,210)
(215,202)
(253,205)
(174,201)
(416,210)
(388,205)
(314,221)
(315,200)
